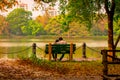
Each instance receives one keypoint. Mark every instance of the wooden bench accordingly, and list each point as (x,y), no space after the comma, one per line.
(60,49)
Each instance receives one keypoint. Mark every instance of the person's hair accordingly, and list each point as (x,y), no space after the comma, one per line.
(56,40)
(60,38)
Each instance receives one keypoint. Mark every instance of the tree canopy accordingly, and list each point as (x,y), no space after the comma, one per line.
(3,26)
(59,26)
(18,18)
(87,11)
(33,28)
(83,11)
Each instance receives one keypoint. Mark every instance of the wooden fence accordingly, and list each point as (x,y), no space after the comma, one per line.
(106,63)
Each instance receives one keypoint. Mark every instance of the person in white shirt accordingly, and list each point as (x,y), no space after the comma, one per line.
(61,41)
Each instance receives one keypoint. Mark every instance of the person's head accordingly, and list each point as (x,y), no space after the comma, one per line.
(56,40)
(60,38)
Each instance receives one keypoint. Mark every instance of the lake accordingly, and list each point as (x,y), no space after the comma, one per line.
(13,43)
(14,48)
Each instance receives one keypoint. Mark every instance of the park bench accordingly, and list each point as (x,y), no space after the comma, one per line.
(60,49)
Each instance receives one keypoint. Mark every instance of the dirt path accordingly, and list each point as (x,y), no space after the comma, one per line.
(25,70)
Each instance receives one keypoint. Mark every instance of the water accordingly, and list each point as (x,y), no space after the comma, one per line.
(42,44)
(23,48)
(16,44)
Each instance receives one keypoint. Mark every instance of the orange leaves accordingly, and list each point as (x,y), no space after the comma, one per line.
(25,69)
(3,26)
(5,4)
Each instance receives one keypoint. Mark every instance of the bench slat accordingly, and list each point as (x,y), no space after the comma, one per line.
(60,48)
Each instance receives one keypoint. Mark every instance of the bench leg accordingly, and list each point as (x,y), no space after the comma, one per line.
(50,51)
(71,52)
(54,56)
(62,57)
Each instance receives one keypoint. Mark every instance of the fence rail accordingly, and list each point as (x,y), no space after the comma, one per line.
(15,52)
(80,50)
(106,61)
(104,53)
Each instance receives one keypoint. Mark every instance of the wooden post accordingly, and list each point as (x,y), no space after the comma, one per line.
(71,52)
(34,48)
(84,50)
(50,51)
(105,64)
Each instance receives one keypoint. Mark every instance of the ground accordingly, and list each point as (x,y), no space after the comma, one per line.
(11,69)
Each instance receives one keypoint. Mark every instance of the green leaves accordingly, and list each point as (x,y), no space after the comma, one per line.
(21,23)
(60,25)
(33,28)
(82,11)
(117,24)
(18,18)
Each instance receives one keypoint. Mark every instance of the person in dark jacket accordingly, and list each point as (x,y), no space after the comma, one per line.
(61,41)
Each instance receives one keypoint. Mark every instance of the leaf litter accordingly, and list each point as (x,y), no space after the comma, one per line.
(11,69)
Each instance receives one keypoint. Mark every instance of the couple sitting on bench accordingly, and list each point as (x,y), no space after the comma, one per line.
(59,41)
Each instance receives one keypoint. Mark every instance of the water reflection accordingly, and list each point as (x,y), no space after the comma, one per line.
(15,44)
(29,42)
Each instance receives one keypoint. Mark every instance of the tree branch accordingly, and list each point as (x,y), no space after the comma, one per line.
(118,38)
(113,6)
(106,6)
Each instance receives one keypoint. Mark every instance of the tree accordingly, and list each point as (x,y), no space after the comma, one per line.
(43,20)
(58,26)
(117,27)
(5,4)
(33,28)
(85,11)
(53,27)
(18,18)
(3,26)
(99,27)
(77,29)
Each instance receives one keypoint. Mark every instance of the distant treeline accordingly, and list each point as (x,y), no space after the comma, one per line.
(19,23)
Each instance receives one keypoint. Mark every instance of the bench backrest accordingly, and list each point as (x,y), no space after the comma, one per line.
(60,48)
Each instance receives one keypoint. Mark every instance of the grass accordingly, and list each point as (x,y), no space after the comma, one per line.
(75,68)
(48,65)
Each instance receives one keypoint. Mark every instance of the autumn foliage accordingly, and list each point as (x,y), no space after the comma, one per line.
(4,4)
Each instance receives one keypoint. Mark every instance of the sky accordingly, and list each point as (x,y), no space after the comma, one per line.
(31,5)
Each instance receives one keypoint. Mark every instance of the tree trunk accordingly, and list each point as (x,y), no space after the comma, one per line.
(110,35)
(110,13)
(110,32)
